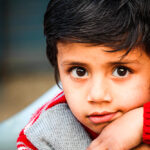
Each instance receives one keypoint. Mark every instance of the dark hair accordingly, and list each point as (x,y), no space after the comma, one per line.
(119,24)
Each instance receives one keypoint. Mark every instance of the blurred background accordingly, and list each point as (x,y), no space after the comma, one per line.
(25,73)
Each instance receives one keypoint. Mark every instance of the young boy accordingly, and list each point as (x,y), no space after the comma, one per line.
(100,52)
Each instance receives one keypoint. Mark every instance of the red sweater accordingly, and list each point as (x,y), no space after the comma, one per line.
(146,124)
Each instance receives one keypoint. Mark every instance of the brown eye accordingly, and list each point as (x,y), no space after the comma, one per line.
(121,72)
(79,72)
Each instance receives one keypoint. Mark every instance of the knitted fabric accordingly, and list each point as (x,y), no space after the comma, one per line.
(146,125)
(53,127)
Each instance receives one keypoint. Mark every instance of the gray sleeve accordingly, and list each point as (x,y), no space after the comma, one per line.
(58,129)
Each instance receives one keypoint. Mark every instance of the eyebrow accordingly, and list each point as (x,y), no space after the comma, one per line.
(74,63)
(123,62)
(120,62)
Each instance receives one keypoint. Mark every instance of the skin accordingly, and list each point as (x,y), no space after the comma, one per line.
(96,84)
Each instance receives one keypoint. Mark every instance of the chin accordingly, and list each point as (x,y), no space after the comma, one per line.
(99,128)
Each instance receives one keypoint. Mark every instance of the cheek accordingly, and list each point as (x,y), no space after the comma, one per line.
(75,104)
(73,95)
(75,92)
(134,95)
(76,98)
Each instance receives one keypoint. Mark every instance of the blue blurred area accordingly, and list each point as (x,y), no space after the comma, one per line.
(22,42)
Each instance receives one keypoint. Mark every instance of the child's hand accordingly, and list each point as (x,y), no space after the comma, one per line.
(122,134)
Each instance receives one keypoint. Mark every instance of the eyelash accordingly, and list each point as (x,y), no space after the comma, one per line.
(71,68)
(117,66)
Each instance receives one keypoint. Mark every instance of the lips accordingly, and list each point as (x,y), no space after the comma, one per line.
(103,117)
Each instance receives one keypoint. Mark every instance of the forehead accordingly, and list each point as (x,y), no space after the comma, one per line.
(81,51)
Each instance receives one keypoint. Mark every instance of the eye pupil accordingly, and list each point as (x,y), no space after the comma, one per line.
(122,71)
(80,71)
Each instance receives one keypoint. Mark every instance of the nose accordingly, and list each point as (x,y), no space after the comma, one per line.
(99,90)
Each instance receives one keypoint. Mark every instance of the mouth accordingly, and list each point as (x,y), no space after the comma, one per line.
(103,117)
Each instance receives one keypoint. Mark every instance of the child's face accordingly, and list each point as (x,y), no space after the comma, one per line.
(99,86)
